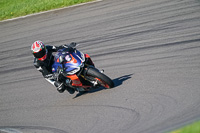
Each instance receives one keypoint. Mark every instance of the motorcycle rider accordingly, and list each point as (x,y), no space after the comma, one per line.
(43,60)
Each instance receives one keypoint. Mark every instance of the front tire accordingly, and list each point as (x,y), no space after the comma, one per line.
(101,78)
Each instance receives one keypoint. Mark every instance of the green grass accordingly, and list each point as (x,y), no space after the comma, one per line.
(15,8)
(192,128)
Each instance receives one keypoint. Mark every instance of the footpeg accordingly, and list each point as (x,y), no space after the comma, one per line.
(94,83)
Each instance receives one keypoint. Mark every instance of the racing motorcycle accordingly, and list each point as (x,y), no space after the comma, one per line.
(70,63)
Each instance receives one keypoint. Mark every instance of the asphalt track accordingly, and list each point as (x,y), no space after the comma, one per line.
(150,48)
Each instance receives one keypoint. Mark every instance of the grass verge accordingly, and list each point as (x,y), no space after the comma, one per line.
(192,128)
(15,8)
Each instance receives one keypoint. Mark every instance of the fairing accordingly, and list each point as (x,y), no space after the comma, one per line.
(73,61)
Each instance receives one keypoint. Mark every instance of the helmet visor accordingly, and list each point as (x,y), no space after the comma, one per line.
(40,54)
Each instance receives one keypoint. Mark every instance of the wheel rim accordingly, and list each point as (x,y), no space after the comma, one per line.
(102,83)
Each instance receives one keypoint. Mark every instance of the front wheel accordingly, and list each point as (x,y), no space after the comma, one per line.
(101,78)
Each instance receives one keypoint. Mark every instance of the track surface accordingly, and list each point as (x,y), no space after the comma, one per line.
(150,48)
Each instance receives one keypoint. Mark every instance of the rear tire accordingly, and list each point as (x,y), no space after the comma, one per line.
(101,78)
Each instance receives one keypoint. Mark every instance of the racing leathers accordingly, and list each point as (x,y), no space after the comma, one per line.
(45,67)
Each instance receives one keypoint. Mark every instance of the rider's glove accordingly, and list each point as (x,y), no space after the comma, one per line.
(71,46)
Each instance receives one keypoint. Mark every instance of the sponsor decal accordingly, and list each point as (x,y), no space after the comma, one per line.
(67,58)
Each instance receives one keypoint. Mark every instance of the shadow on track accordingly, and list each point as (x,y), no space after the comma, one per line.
(117,82)
(120,80)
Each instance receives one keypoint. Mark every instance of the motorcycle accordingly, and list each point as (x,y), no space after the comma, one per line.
(70,63)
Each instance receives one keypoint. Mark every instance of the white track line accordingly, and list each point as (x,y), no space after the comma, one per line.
(9,130)
(51,10)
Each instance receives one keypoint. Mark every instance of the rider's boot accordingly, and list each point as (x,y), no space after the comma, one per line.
(60,86)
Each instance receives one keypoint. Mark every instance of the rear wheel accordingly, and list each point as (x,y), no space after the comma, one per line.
(101,78)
